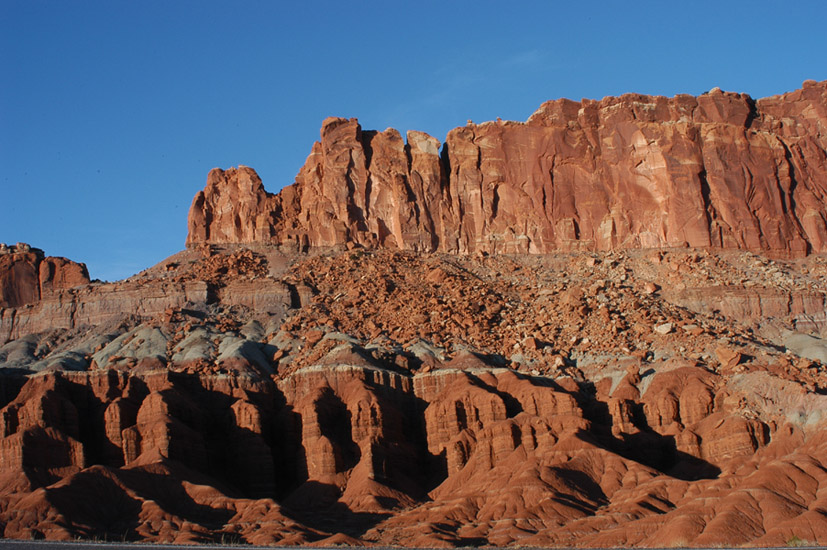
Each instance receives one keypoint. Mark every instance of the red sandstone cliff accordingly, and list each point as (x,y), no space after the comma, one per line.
(720,170)
(25,275)
(245,393)
(420,400)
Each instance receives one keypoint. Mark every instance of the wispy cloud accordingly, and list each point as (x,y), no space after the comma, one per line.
(459,82)
(458,75)
(528,58)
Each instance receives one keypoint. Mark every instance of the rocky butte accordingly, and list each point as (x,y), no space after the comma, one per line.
(602,327)
(716,171)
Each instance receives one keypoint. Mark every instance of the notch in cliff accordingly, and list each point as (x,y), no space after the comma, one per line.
(720,170)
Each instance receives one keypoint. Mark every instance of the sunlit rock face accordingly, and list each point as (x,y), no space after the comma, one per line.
(716,171)
(604,327)
(26,275)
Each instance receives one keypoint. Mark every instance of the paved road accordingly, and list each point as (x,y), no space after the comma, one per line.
(6,544)
(49,545)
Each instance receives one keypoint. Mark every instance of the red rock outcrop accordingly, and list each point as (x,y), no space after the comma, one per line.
(60,273)
(240,392)
(716,171)
(61,297)
(361,413)
(19,278)
(101,304)
(233,208)
(26,276)
(348,446)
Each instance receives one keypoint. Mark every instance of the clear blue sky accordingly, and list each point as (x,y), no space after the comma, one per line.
(112,112)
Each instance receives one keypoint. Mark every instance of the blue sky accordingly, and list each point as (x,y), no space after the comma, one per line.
(113,112)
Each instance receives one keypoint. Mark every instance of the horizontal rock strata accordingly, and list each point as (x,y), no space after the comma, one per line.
(507,458)
(333,366)
(425,400)
(66,299)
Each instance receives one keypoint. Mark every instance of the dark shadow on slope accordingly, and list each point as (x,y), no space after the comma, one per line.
(512,405)
(316,505)
(91,410)
(233,452)
(335,424)
(582,482)
(753,112)
(162,483)
(291,460)
(646,447)
(11,383)
(96,506)
(792,207)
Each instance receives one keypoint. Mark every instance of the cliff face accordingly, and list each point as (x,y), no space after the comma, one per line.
(63,298)
(355,447)
(240,391)
(26,276)
(719,170)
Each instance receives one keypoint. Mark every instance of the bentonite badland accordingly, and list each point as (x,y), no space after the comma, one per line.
(604,326)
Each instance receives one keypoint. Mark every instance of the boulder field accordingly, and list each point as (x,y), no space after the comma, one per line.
(604,327)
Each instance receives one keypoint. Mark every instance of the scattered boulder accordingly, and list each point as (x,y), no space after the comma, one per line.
(728,356)
(664,328)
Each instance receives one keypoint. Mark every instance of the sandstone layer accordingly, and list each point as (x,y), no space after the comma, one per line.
(720,170)
(332,366)
(428,400)
(26,276)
